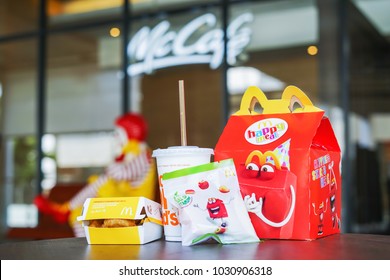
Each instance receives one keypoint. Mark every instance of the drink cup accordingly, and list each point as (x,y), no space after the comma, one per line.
(171,159)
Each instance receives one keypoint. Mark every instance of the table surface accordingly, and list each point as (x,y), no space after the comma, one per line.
(334,247)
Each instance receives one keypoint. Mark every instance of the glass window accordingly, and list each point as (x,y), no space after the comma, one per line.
(184,47)
(80,155)
(83,86)
(18,79)
(277,52)
(83,98)
(369,66)
(21,155)
(18,16)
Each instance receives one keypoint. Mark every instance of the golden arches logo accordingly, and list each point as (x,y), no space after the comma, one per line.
(263,158)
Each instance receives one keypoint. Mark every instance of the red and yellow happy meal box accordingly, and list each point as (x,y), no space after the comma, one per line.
(288,163)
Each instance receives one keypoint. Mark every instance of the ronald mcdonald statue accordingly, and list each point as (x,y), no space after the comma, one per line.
(133,173)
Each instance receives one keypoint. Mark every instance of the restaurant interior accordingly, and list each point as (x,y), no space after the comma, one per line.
(69,68)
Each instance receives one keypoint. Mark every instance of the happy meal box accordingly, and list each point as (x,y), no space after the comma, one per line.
(288,165)
(266,185)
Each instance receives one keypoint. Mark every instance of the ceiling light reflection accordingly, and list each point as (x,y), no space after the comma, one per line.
(312,50)
(115,32)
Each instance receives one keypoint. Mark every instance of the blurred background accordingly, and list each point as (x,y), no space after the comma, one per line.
(68,68)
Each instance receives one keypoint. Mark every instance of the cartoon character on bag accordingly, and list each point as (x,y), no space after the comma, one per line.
(217,210)
(332,197)
(216,207)
(269,191)
(217,213)
(320,213)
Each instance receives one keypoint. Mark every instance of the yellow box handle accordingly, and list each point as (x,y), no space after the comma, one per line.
(291,97)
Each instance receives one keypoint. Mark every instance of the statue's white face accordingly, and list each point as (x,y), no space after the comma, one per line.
(120,140)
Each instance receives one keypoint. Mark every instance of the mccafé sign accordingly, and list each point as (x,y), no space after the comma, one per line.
(161,47)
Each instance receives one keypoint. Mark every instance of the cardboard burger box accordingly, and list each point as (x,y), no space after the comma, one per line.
(121,220)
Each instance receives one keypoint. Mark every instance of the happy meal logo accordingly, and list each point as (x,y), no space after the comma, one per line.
(266,131)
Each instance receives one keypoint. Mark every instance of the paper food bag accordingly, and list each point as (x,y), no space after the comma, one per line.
(288,165)
(209,203)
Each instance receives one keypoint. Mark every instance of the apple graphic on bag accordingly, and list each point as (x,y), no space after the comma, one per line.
(203,184)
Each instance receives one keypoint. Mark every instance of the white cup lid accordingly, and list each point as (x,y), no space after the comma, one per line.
(181,150)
